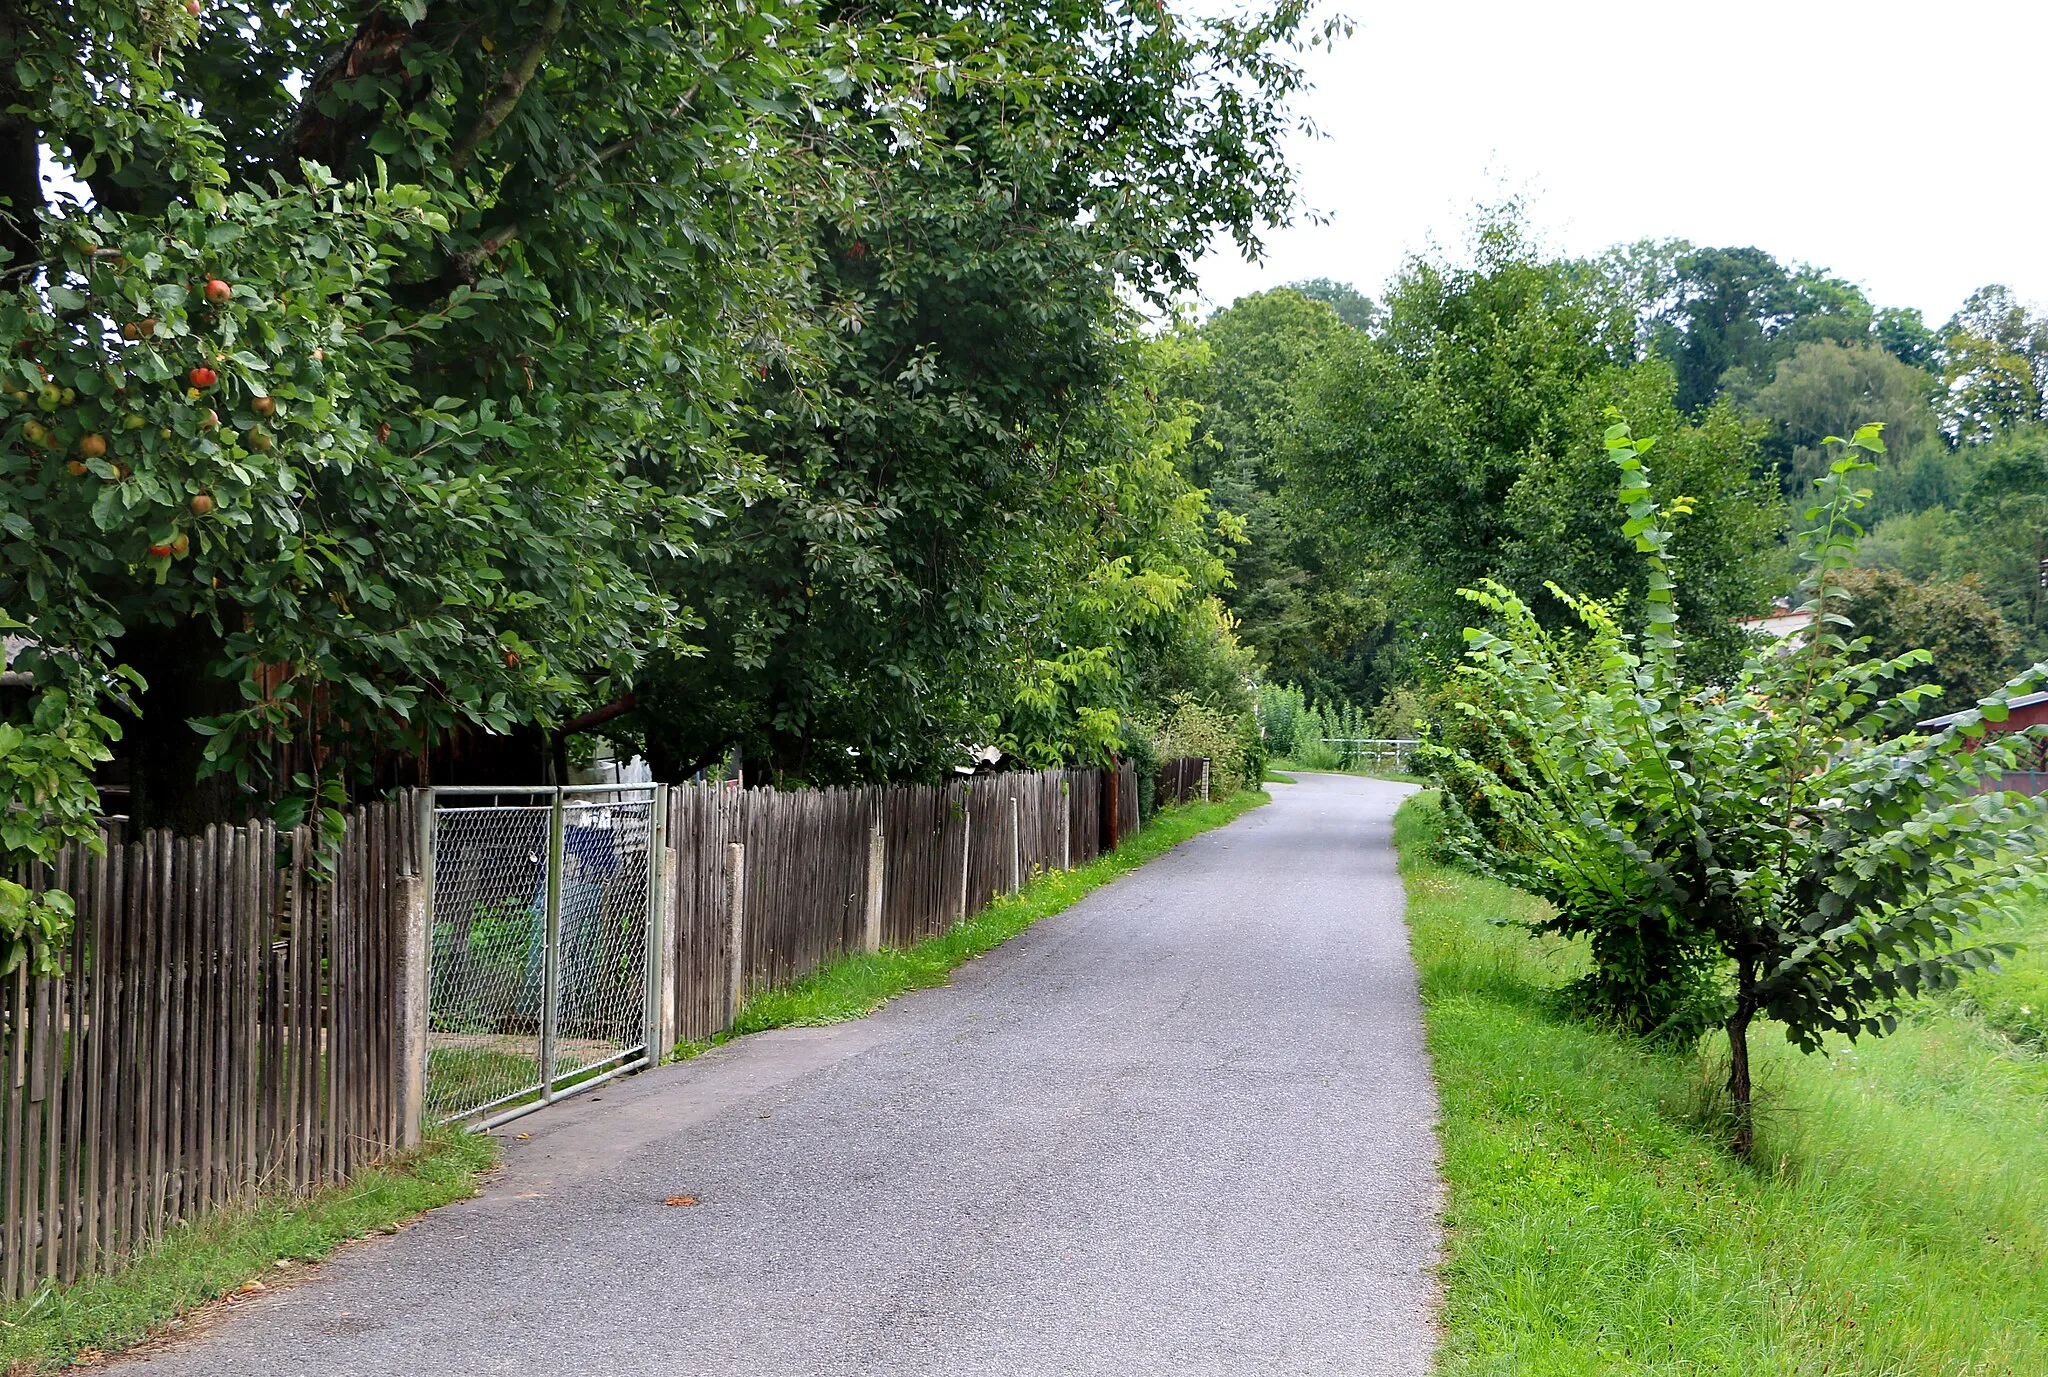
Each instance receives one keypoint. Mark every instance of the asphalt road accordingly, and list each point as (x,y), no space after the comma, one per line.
(1182,1128)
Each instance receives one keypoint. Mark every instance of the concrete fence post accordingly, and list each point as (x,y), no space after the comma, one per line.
(656,971)
(1205,779)
(1066,823)
(736,925)
(672,879)
(413,975)
(871,932)
(1016,847)
(966,849)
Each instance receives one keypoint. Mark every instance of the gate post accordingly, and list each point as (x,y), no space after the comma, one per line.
(1112,805)
(871,932)
(671,895)
(1066,820)
(736,928)
(551,958)
(656,956)
(1016,846)
(1205,779)
(416,904)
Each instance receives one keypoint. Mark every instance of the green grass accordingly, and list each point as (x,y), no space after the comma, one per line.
(1897,1222)
(201,1261)
(857,985)
(2014,1000)
(1275,777)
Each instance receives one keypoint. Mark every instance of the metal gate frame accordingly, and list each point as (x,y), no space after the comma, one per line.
(629,1059)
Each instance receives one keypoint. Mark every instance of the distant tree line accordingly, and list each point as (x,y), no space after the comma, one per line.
(1384,454)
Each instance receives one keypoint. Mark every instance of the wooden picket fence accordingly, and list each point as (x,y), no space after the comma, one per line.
(234,1014)
(808,883)
(1181,780)
(221,1022)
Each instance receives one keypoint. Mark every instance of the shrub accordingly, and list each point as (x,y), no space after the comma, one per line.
(1195,728)
(1787,843)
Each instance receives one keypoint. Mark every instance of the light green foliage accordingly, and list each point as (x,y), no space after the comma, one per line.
(1919,544)
(2014,998)
(1784,846)
(1302,732)
(1190,727)
(1129,583)
(1895,1220)
(1821,381)
(1995,365)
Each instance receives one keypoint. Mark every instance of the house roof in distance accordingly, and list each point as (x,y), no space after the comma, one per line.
(2027,700)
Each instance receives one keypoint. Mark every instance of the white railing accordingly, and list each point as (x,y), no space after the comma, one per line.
(1384,753)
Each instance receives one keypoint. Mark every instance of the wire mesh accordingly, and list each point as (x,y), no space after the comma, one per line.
(602,945)
(486,974)
(513,1016)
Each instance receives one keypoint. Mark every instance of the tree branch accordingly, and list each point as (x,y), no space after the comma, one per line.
(377,49)
(511,87)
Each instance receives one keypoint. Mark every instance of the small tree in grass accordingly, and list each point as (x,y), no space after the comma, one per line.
(1783,846)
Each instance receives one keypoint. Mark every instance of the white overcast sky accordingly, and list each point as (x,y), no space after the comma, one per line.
(1892,143)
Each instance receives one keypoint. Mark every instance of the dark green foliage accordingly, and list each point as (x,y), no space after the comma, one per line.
(548,337)
(1977,513)
(893,592)
(1311,620)
(1455,447)
(1951,621)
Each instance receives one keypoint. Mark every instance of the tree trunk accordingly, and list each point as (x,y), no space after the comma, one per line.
(1739,1089)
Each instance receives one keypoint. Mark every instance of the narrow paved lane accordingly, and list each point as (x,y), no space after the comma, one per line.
(1183,1128)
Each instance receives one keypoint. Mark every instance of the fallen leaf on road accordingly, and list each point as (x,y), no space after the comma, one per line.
(680,1200)
(250,1287)
(522,1137)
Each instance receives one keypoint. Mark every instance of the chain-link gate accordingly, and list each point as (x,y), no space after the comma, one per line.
(544,933)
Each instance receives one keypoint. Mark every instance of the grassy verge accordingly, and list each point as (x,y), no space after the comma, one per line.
(1275,777)
(200,1262)
(1898,1223)
(856,985)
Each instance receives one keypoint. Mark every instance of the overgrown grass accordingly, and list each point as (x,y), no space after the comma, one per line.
(202,1261)
(1897,1223)
(856,985)
(2014,1000)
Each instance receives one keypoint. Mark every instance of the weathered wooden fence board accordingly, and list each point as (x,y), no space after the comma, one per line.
(1179,780)
(220,1021)
(948,851)
(224,1018)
